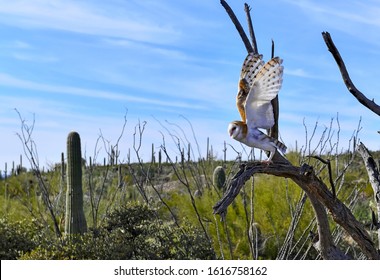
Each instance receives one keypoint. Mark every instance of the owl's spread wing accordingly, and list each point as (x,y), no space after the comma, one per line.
(265,87)
(250,68)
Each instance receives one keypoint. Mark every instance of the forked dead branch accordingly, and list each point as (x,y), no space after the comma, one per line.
(305,177)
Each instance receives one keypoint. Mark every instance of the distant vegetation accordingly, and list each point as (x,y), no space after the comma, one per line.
(163,210)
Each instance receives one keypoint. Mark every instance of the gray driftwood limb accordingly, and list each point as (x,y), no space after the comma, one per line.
(305,177)
(238,26)
(374,178)
(324,244)
(370,104)
(247,10)
(372,168)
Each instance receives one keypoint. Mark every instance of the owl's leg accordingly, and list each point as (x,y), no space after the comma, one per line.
(271,155)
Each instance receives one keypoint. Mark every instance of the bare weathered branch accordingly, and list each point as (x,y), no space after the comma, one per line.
(370,104)
(30,151)
(304,177)
(325,244)
(374,224)
(247,10)
(328,163)
(238,26)
(374,178)
(273,132)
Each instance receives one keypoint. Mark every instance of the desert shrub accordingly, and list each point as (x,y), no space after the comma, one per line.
(130,232)
(73,248)
(17,238)
(143,236)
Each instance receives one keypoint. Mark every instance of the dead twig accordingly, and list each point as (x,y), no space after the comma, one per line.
(328,163)
(247,10)
(370,104)
(238,26)
(30,151)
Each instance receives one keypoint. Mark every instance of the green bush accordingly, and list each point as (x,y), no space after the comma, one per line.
(131,232)
(16,238)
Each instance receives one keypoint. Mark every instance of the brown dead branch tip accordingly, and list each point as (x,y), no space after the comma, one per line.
(328,163)
(370,104)
(238,26)
(247,10)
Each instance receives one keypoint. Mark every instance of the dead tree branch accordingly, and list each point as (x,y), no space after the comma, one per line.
(325,244)
(372,168)
(370,104)
(273,132)
(304,177)
(30,151)
(374,178)
(238,26)
(247,10)
(328,163)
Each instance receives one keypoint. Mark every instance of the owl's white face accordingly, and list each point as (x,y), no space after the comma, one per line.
(236,130)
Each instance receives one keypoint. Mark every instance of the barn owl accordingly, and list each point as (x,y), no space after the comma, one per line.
(259,83)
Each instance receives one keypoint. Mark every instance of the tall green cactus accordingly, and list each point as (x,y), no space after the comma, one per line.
(219,177)
(75,222)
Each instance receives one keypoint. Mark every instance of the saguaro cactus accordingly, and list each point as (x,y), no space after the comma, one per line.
(219,177)
(75,222)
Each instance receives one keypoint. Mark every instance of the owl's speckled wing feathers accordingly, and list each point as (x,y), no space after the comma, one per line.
(251,66)
(265,87)
(259,83)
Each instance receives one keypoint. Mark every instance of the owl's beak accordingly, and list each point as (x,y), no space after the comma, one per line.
(231,131)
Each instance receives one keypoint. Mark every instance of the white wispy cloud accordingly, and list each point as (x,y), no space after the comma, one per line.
(20,45)
(302,73)
(351,16)
(83,17)
(162,52)
(35,57)
(10,81)
(151,61)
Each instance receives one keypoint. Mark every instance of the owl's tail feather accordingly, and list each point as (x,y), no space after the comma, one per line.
(280,146)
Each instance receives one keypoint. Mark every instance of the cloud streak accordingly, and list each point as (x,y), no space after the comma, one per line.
(10,81)
(347,16)
(35,57)
(79,17)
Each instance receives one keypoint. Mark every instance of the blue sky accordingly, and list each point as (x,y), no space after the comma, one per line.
(79,65)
